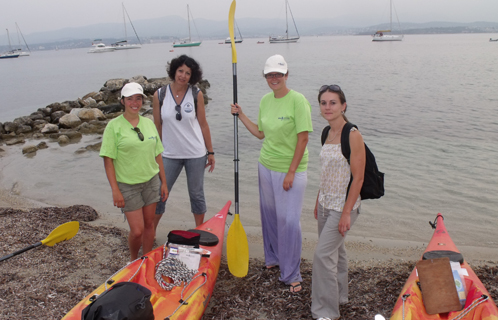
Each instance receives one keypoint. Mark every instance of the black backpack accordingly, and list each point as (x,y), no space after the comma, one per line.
(123,301)
(373,181)
(162,93)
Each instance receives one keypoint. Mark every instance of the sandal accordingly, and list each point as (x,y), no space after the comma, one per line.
(295,288)
(270,267)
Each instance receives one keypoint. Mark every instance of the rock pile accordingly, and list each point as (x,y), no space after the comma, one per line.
(67,121)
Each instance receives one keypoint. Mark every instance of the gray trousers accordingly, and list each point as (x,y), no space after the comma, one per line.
(329,286)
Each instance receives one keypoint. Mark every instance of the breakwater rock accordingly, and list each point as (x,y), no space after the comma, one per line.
(67,121)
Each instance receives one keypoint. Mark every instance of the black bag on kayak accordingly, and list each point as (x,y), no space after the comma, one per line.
(373,181)
(184,237)
(123,301)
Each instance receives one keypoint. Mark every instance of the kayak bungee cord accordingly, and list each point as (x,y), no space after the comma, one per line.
(465,311)
(110,281)
(405,296)
(184,302)
(474,304)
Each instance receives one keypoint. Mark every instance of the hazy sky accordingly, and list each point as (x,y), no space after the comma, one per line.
(45,15)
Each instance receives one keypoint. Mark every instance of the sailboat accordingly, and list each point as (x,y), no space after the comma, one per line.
(381,36)
(227,40)
(187,42)
(11,53)
(19,50)
(286,39)
(123,44)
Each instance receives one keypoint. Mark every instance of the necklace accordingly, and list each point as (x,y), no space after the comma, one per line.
(330,140)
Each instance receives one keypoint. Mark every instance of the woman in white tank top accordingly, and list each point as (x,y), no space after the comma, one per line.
(185,133)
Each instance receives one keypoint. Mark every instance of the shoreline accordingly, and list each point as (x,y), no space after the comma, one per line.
(361,250)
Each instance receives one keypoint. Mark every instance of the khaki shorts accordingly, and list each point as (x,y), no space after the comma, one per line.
(139,195)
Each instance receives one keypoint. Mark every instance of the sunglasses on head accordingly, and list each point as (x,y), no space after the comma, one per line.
(140,134)
(178,109)
(332,87)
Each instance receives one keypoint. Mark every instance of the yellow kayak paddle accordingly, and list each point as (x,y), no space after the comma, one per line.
(237,246)
(63,232)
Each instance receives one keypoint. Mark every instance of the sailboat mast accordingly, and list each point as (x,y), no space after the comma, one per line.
(391,15)
(124,21)
(188,20)
(133,27)
(8,36)
(286,21)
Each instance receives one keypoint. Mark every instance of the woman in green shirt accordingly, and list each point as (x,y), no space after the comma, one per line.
(131,149)
(284,122)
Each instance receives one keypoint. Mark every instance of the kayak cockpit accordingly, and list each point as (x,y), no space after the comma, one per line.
(453,255)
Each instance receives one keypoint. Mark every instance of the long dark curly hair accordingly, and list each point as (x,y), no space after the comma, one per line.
(195,68)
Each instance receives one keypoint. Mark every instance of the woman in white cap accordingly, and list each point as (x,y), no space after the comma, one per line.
(284,122)
(131,149)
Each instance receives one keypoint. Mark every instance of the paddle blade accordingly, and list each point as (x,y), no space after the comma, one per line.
(237,249)
(63,232)
(231,30)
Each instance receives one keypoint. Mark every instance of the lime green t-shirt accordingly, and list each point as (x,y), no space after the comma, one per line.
(281,120)
(134,160)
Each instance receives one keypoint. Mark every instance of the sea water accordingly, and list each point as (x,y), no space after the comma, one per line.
(426,107)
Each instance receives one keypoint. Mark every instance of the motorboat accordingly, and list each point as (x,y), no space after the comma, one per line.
(98,47)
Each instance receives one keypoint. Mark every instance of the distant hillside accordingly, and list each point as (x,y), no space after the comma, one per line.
(174,27)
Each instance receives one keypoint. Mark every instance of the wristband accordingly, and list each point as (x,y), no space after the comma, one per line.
(208,153)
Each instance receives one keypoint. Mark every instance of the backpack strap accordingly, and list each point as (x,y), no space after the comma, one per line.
(325,132)
(161,93)
(345,147)
(195,92)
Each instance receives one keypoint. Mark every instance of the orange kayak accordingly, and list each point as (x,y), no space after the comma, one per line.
(196,294)
(478,303)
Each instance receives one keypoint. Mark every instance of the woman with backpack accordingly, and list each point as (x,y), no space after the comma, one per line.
(180,119)
(336,208)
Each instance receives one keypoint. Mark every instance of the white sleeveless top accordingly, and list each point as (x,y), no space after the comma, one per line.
(334,178)
(181,139)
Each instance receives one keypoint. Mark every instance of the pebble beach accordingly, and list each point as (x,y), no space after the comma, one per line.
(49,281)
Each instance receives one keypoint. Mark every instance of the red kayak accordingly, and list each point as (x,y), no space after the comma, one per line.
(478,304)
(181,302)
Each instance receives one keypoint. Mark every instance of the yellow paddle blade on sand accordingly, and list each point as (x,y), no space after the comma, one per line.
(237,249)
(63,232)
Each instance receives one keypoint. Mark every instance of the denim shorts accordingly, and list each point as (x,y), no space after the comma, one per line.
(139,195)
(194,169)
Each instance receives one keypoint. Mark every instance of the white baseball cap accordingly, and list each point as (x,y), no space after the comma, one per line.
(131,89)
(275,63)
